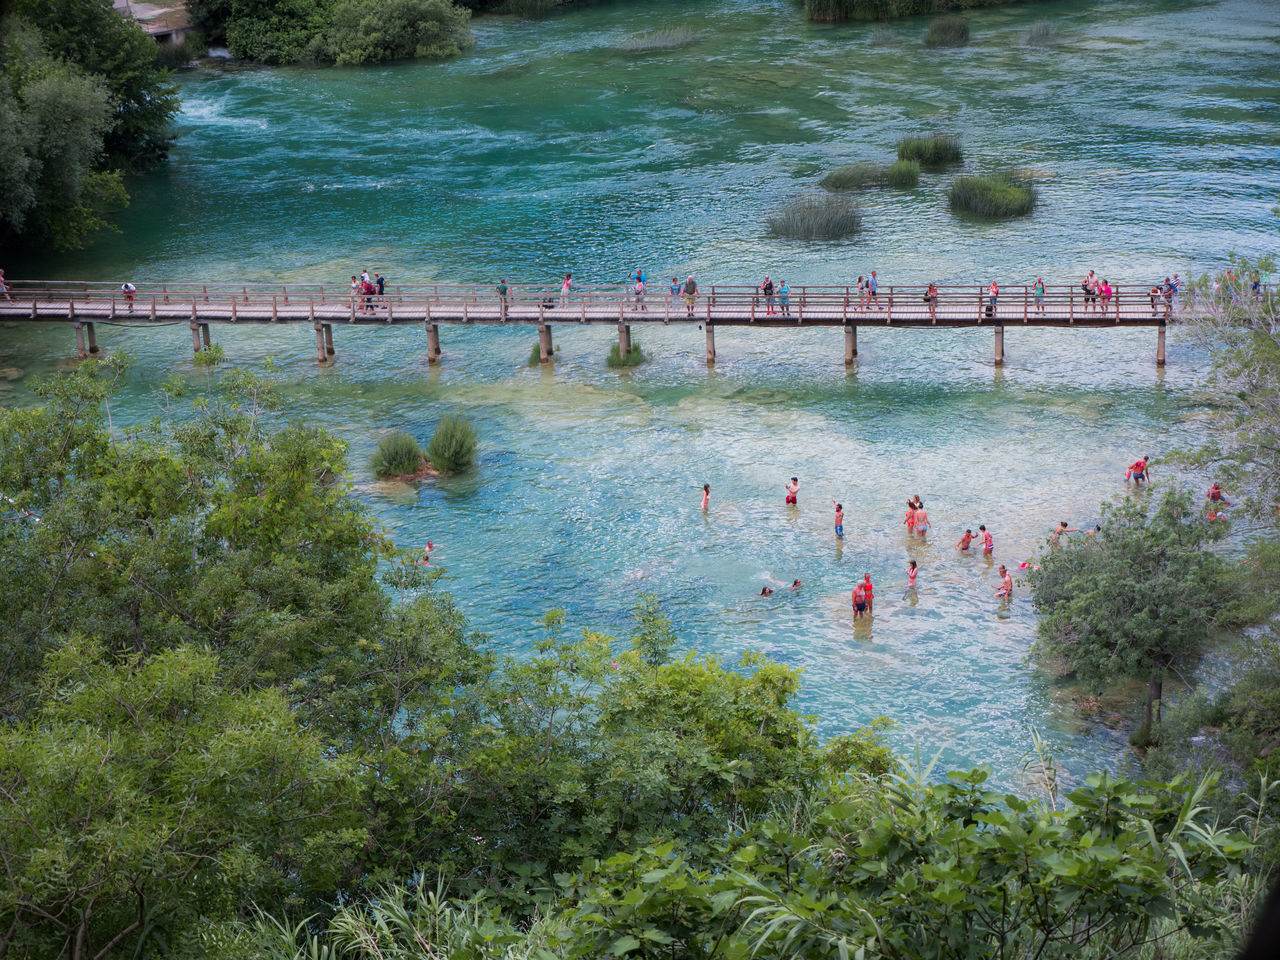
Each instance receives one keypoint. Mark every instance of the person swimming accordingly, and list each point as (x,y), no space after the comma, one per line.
(912,570)
(793,488)
(706,495)
(839,519)
(1062,528)
(963,542)
(766,591)
(426,554)
(796,585)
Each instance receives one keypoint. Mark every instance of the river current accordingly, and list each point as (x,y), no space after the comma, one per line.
(1152,129)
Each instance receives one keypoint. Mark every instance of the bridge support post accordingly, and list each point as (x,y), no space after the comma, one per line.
(93,338)
(850,343)
(545,350)
(1160,345)
(624,340)
(999,358)
(328,339)
(81,350)
(195,337)
(433,342)
(321,355)
(204,335)
(711,344)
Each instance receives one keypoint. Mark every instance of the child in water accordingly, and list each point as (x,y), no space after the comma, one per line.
(706,495)
(910,518)
(988,545)
(912,570)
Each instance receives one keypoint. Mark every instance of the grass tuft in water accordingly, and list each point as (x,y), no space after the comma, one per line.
(398,455)
(535,355)
(668,39)
(882,37)
(1042,34)
(865,176)
(817,218)
(995,197)
(931,150)
(633,359)
(947,32)
(453,445)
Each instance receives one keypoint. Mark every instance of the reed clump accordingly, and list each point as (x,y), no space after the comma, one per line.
(947,32)
(931,150)
(882,37)
(866,176)
(1042,34)
(669,39)
(995,196)
(821,217)
(634,357)
(398,455)
(453,445)
(535,355)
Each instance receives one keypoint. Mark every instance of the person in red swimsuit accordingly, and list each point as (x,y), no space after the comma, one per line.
(866,591)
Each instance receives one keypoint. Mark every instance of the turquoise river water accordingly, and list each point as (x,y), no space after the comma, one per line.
(1153,130)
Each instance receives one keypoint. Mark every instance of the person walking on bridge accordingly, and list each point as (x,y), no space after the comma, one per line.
(690,294)
(767,289)
(4,288)
(565,287)
(873,288)
(128,289)
(502,290)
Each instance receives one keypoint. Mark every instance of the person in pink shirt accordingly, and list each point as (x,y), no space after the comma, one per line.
(912,570)
(793,488)
(706,495)
(988,545)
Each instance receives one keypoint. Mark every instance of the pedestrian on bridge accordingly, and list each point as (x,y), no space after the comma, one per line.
(767,289)
(128,289)
(675,291)
(4,288)
(690,294)
(784,298)
(1037,291)
(873,287)
(565,288)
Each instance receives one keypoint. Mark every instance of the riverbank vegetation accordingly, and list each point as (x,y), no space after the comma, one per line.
(83,102)
(995,196)
(227,695)
(343,32)
(817,218)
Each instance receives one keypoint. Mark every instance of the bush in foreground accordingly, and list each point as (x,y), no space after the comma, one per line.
(931,150)
(817,218)
(398,455)
(633,359)
(996,197)
(453,445)
(947,32)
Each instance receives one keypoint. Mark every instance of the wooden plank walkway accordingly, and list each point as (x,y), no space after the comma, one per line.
(200,305)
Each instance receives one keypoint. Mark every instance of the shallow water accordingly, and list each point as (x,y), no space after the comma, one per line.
(1156,133)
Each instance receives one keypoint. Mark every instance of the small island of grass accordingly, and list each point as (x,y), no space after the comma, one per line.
(996,196)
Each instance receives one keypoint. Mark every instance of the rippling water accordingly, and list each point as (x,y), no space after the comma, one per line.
(1155,133)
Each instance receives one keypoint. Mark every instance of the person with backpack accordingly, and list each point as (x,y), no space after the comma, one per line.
(767,289)
(690,294)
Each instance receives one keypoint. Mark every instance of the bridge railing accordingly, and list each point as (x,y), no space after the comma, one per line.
(599,301)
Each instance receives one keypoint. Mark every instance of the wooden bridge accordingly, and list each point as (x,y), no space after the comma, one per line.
(322,306)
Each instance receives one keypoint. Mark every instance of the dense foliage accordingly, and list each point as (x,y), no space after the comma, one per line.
(336,31)
(1137,599)
(83,99)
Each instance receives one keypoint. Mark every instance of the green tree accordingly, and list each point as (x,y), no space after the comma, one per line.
(371,31)
(1135,601)
(143,796)
(117,51)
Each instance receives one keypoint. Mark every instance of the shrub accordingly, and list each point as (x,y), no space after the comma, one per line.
(1042,34)
(947,32)
(453,445)
(817,218)
(903,174)
(667,39)
(371,31)
(210,356)
(632,359)
(398,455)
(931,150)
(995,196)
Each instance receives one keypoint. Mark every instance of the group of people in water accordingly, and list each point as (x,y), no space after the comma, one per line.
(918,524)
